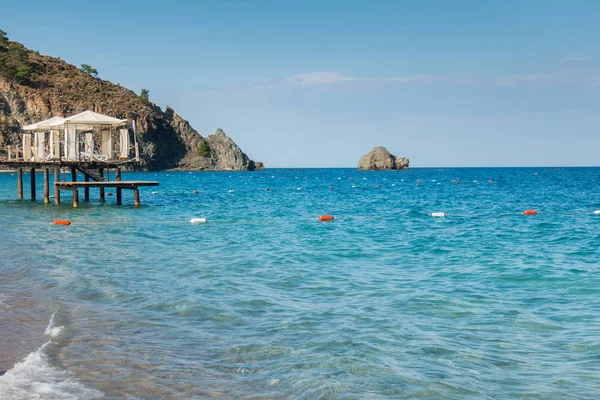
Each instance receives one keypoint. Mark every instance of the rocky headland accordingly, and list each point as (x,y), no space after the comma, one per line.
(34,87)
(381,159)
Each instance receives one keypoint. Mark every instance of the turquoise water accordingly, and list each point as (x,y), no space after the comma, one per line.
(265,301)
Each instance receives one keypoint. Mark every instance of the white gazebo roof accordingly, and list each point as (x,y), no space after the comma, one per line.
(46,124)
(90,118)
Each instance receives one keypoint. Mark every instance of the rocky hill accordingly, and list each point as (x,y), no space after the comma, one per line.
(34,87)
(380,158)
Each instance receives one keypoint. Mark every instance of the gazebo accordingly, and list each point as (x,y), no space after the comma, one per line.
(85,137)
(89,143)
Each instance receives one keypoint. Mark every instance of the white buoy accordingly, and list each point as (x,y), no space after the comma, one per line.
(299,189)
(154,192)
(438,214)
(198,220)
(354,186)
(393,184)
(597,212)
(231,191)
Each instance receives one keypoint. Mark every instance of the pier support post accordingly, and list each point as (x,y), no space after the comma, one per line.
(46,186)
(86,191)
(136,197)
(32,176)
(75,198)
(73,174)
(101,173)
(119,201)
(20,183)
(118,177)
(56,189)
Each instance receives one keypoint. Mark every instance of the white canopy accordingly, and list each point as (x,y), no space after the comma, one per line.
(90,118)
(47,124)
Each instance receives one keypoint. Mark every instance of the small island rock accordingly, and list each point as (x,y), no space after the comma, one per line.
(381,159)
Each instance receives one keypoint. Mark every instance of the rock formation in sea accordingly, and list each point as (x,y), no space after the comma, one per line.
(380,159)
(216,152)
(35,87)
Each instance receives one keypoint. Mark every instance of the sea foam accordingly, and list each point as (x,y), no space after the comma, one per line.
(36,378)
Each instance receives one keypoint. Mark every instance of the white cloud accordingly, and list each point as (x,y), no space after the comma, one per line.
(327,78)
(512,80)
(318,78)
(409,79)
(576,59)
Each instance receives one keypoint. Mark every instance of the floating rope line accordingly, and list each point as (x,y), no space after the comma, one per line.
(321,218)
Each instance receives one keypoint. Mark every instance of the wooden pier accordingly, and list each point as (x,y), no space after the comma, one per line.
(118,185)
(95,176)
(85,143)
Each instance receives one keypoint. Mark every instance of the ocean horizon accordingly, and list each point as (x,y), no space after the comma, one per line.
(263,300)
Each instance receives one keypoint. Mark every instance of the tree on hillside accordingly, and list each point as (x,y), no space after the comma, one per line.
(203,149)
(145,96)
(3,36)
(88,69)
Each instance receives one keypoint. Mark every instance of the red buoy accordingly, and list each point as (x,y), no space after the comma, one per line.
(529,212)
(61,222)
(326,218)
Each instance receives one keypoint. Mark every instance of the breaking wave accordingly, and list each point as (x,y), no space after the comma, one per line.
(36,378)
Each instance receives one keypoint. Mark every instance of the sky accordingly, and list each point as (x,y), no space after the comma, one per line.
(319,83)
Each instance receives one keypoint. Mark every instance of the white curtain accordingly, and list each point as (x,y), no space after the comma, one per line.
(70,143)
(40,146)
(27,146)
(107,145)
(124,134)
(89,143)
(54,143)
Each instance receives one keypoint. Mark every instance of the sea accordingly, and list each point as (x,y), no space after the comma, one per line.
(265,301)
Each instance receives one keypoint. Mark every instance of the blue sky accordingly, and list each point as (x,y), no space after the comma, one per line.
(318,84)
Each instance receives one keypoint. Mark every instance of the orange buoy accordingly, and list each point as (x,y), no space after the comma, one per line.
(529,212)
(61,222)
(326,218)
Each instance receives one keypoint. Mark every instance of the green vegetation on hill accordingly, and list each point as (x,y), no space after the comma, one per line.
(145,96)
(88,69)
(14,63)
(203,149)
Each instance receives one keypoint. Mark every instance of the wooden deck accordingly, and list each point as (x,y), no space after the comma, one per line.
(115,184)
(52,163)
(118,185)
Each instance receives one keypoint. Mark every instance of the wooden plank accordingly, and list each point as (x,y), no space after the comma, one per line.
(75,198)
(32,180)
(56,189)
(20,183)
(122,184)
(101,173)
(46,187)
(86,190)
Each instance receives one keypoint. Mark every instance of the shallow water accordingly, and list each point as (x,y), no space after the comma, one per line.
(265,301)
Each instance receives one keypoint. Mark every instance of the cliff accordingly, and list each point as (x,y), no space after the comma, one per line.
(380,158)
(34,87)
